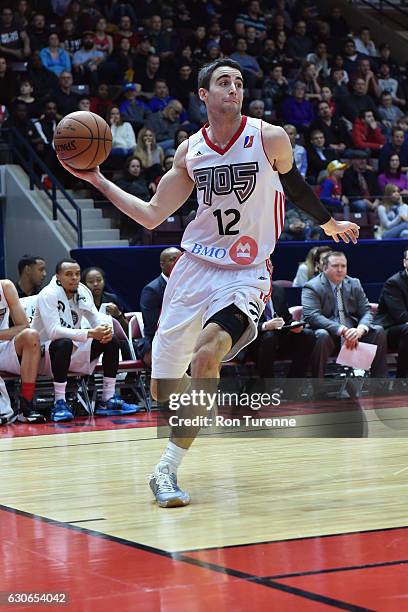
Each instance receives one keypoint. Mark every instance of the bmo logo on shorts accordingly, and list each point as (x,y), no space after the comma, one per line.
(244,251)
(208,251)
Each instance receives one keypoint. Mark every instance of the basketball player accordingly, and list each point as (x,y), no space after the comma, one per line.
(217,290)
(19,353)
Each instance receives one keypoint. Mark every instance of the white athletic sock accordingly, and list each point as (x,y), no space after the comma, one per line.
(59,391)
(173,456)
(108,389)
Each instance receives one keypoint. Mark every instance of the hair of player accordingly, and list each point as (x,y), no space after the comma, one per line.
(28,260)
(206,72)
(58,267)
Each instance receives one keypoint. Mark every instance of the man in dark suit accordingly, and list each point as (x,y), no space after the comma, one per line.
(393,315)
(336,307)
(273,342)
(151,300)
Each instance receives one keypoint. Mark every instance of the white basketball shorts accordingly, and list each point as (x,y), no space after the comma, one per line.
(195,292)
(8,357)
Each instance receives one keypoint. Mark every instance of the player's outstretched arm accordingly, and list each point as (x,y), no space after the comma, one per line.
(173,190)
(279,152)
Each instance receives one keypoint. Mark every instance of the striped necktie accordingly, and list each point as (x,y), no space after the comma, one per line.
(340,307)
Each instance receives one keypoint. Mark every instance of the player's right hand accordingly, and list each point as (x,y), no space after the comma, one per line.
(102,332)
(92,175)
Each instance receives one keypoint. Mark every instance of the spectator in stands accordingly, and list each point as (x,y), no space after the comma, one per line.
(250,67)
(397,145)
(256,109)
(161,97)
(392,315)
(299,226)
(165,123)
(334,128)
(94,279)
(318,155)
(254,44)
(133,180)
(180,136)
(123,136)
(335,306)
(8,83)
(103,41)
(150,154)
(148,77)
(331,190)
(364,44)
(141,54)
(393,214)
(87,59)
(385,56)
(338,83)
(101,101)
(388,113)
(67,100)
(299,152)
(351,57)
(254,18)
(360,185)
(367,134)
(14,41)
(365,72)
(84,104)
(358,101)
(312,265)
(20,353)
(184,84)
(31,275)
(338,25)
(38,33)
(273,342)
(20,120)
(126,30)
(71,39)
(296,109)
(309,76)
(44,81)
(267,58)
(388,84)
(46,127)
(119,67)
(151,300)
(132,109)
(61,306)
(163,40)
(23,14)
(299,44)
(26,95)
(393,174)
(275,88)
(282,55)
(117,10)
(53,57)
(319,58)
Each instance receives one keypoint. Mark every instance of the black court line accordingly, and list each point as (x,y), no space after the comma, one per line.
(333,570)
(19,450)
(335,603)
(86,521)
(326,535)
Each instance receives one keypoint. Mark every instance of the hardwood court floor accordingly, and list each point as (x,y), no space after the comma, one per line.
(279,524)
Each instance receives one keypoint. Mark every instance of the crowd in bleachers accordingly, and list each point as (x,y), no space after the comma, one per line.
(340,94)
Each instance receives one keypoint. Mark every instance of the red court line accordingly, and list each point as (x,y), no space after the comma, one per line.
(311,554)
(100,573)
(382,589)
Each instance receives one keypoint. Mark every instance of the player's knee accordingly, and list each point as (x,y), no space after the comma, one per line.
(30,339)
(205,359)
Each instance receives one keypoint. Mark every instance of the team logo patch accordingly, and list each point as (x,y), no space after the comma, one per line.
(248,142)
(244,251)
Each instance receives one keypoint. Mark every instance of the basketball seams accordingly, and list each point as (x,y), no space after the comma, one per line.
(97,139)
(80,123)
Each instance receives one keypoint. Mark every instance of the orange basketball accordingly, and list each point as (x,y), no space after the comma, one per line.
(83,140)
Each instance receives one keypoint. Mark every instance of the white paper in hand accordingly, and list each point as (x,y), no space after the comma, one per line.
(360,357)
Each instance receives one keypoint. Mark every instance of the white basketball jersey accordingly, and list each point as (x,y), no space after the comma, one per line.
(4,310)
(241,201)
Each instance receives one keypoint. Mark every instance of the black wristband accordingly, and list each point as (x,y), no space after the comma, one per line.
(303,196)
